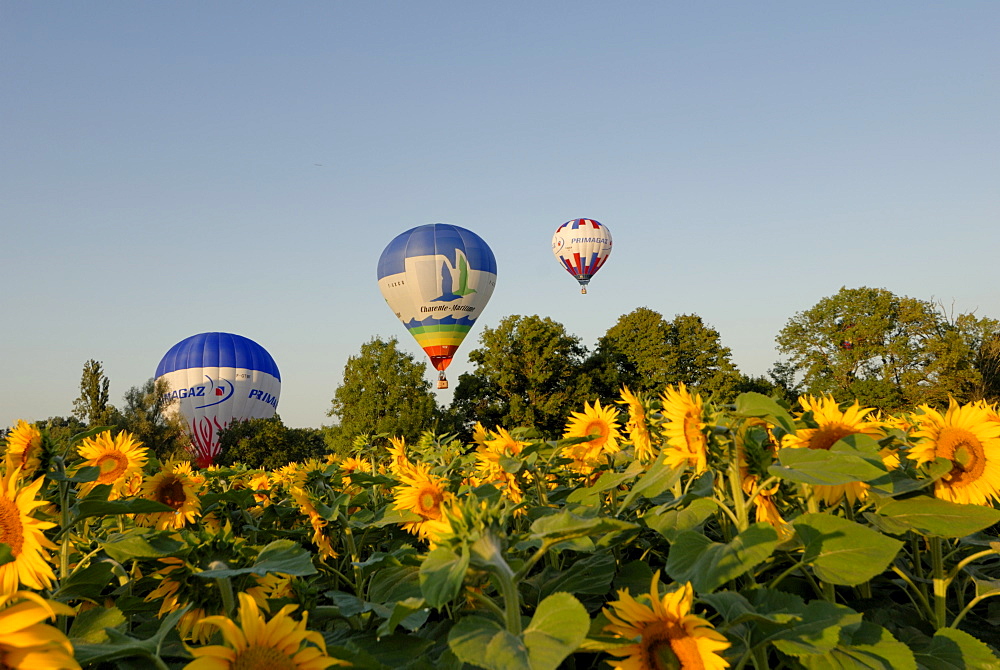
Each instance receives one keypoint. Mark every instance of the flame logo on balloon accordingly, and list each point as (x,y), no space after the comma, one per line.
(220,392)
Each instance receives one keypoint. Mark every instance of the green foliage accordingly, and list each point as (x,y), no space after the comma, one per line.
(527,373)
(646,353)
(92,407)
(144,415)
(888,351)
(267,443)
(383,391)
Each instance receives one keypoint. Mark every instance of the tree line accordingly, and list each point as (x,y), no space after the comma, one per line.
(865,344)
(886,351)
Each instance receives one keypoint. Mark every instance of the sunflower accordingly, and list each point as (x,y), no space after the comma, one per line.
(172,577)
(596,420)
(399,463)
(355,464)
(273,585)
(664,634)
(684,416)
(119,458)
(258,644)
(968,437)
(316,520)
(488,467)
(26,642)
(176,487)
(832,425)
(24,535)
(423,494)
(638,431)
(24,448)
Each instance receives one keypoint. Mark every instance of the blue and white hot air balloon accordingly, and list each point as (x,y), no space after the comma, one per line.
(437,279)
(216,379)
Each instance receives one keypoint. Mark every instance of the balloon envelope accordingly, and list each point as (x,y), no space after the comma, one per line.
(437,278)
(215,379)
(582,246)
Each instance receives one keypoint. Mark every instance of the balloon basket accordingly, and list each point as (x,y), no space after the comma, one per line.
(583,290)
(442,382)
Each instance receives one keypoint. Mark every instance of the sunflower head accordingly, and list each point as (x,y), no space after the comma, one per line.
(663,632)
(598,423)
(118,458)
(683,421)
(24,534)
(637,427)
(176,487)
(968,437)
(26,641)
(24,448)
(422,493)
(256,643)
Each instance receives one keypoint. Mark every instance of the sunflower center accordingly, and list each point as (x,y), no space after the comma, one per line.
(11,528)
(263,658)
(599,428)
(429,502)
(112,465)
(965,451)
(828,435)
(692,431)
(667,646)
(171,492)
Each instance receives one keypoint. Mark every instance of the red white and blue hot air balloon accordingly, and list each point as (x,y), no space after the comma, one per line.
(216,379)
(437,279)
(582,246)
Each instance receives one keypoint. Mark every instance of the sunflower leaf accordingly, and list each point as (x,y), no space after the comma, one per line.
(141,544)
(931,516)
(841,551)
(87,507)
(441,575)
(708,565)
(558,627)
(825,467)
(952,649)
(658,479)
(6,556)
(760,406)
(282,556)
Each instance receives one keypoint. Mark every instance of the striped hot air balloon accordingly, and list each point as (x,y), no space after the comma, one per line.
(215,379)
(437,279)
(582,246)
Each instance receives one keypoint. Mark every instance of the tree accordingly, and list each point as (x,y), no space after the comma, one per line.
(92,406)
(884,350)
(528,373)
(267,443)
(645,352)
(383,391)
(143,414)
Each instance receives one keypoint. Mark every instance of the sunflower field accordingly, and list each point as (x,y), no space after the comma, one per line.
(662,533)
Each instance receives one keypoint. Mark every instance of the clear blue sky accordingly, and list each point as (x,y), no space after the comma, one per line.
(170,168)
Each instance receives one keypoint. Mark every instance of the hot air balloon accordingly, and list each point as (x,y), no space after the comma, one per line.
(216,379)
(437,278)
(582,246)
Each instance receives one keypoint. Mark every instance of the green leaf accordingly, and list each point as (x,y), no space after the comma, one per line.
(931,516)
(760,406)
(441,576)
(565,525)
(484,643)
(658,479)
(89,507)
(84,475)
(6,556)
(708,565)
(608,480)
(558,627)
(826,467)
(590,576)
(142,544)
(410,613)
(88,626)
(817,631)
(282,556)
(671,522)
(952,649)
(87,583)
(864,646)
(843,552)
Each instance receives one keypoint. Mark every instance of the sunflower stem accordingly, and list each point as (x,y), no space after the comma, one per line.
(353,549)
(736,491)
(940,583)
